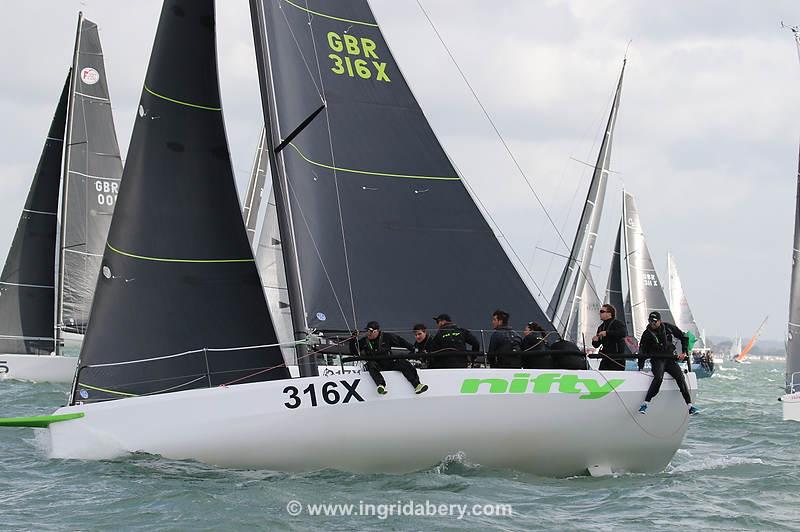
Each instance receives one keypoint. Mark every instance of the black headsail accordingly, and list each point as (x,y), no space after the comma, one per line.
(384,228)
(178,273)
(614,285)
(565,303)
(91,178)
(27,293)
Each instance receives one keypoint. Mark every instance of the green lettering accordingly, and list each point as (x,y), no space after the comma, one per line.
(338,69)
(567,384)
(361,69)
(596,391)
(368,45)
(349,66)
(381,68)
(334,41)
(495,385)
(352,45)
(520,383)
(544,382)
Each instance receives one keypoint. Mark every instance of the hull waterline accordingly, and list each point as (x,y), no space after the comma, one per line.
(514,420)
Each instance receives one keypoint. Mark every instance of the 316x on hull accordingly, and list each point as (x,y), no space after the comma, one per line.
(548,422)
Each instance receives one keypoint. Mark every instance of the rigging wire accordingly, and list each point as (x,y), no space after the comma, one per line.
(335,174)
(503,142)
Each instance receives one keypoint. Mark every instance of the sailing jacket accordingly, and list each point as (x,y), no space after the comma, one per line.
(453,338)
(504,348)
(614,341)
(425,345)
(380,346)
(659,342)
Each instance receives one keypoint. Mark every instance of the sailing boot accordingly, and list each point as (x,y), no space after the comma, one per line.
(420,388)
(382,390)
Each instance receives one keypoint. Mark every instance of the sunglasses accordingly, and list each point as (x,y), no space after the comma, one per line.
(602,311)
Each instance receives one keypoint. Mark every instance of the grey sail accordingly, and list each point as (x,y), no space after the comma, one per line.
(646,292)
(614,284)
(379,234)
(678,303)
(27,292)
(793,342)
(271,268)
(255,188)
(91,179)
(565,301)
(588,313)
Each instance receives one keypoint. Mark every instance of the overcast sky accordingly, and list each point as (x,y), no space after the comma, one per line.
(707,134)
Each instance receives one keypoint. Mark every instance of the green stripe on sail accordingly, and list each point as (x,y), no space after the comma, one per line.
(37,421)
(186,261)
(301,8)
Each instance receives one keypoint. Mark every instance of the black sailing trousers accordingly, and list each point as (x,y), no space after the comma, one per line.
(374,367)
(659,366)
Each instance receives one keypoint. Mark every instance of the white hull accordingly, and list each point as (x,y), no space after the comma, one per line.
(554,433)
(38,368)
(791,406)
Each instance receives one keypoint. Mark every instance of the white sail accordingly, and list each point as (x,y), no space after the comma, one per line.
(679,305)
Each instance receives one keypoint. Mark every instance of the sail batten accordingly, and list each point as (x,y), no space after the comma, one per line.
(383,225)
(178,274)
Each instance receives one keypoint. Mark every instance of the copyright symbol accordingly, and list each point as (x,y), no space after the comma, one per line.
(294,508)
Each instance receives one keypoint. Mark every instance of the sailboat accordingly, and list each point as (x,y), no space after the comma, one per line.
(742,354)
(36,313)
(791,399)
(575,304)
(702,358)
(208,381)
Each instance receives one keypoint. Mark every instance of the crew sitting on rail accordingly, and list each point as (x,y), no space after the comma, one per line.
(378,346)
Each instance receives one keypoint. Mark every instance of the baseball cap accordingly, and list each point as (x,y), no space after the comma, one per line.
(374,325)
(442,317)
(654,316)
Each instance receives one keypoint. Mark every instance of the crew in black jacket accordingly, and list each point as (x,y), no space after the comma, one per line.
(422,342)
(504,344)
(611,335)
(379,344)
(451,339)
(657,340)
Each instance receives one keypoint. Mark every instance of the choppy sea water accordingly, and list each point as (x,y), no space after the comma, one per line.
(739,469)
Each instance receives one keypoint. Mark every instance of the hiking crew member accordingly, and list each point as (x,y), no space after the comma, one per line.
(611,335)
(422,342)
(504,345)
(533,343)
(451,338)
(657,340)
(379,344)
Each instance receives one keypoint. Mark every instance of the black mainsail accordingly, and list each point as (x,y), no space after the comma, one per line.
(255,188)
(91,178)
(383,227)
(179,303)
(27,292)
(569,297)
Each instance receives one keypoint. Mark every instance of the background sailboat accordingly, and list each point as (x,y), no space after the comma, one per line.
(89,177)
(702,359)
(742,355)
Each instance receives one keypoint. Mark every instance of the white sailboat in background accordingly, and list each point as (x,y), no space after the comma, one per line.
(36,314)
(702,358)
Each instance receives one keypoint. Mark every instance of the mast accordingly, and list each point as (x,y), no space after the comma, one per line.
(563,307)
(307,365)
(793,340)
(59,316)
(255,189)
